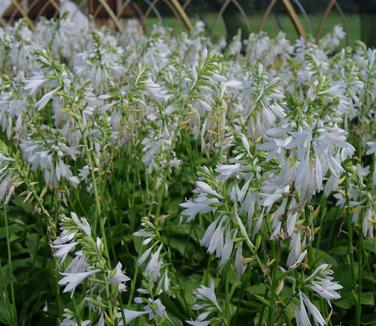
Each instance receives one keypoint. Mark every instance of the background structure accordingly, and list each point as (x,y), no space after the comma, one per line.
(222,17)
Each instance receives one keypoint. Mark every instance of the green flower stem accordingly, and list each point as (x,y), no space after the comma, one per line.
(351,253)
(9,251)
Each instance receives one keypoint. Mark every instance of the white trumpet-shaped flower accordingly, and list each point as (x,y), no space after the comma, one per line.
(118,277)
(201,204)
(72,280)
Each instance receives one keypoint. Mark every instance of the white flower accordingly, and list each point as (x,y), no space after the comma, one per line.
(78,264)
(32,85)
(45,99)
(227,171)
(6,187)
(226,251)
(367,225)
(315,313)
(197,322)
(291,222)
(201,204)
(207,293)
(200,320)
(205,188)
(270,199)
(83,224)
(72,280)
(144,256)
(239,264)
(64,237)
(232,84)
(214,241)
(248,205)
(62,250)
(372,148)
(130,315)
(302,316)
(155,308)
(156,91)
(154,265)
(70,322)
(119,277)
(322,283)
(296,254)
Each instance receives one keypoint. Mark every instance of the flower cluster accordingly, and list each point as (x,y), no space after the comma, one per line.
(235,183)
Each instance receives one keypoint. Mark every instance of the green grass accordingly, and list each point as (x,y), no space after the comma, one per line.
(217,28)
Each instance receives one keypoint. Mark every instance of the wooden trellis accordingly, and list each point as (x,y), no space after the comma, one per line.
(113,11)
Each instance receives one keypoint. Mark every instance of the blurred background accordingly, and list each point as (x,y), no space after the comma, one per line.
(221,17)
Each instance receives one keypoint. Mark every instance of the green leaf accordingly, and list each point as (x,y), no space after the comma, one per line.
(12,229)
(8,315)
(321,257)
(367,298)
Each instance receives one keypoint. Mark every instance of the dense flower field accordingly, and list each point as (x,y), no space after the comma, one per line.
(170,180)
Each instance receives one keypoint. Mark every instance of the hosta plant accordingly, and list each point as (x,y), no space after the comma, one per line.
(168,179)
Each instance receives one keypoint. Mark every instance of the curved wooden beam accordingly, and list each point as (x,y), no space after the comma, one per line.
(23,12)
(111,14)
(266,15)
(148,11)
(305,15)
(324,18)
(294,18)
(182,14)
(220,14)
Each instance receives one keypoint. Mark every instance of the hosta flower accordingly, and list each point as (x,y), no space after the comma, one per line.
(72,280)
(62,250)
(33,85)
(302,318)
(70,322)
(78,264)
(154,265)
(206,301)
(82,224)
(156,91)
(118,277)
(153,146)
(50,160)
(7,178)
(205,188)
(45,99)
(130,315)
(297,251)
(201,204)
(207,293)
(218,239)
(6,188)
(239,264)
(369,220)
(371,148)
(200,320)
(322,283)
(155,308)
(226,171)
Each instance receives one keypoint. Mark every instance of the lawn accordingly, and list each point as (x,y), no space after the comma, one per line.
(351,24)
